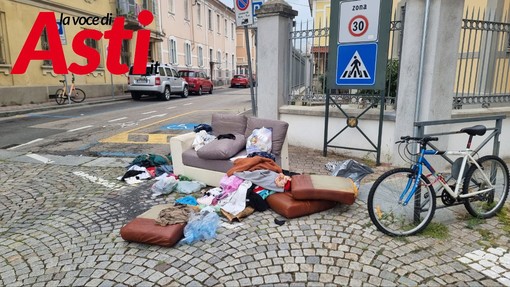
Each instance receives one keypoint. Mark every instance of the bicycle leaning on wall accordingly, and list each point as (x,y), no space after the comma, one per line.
(74,94)
(402,201)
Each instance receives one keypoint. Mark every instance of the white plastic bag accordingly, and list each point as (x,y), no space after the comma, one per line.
(201,139)
(164,185)
(260,140)
(188,187)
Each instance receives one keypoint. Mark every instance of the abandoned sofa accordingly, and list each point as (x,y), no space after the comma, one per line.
(212,161)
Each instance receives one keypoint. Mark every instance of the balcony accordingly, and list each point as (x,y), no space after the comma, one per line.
(129,9)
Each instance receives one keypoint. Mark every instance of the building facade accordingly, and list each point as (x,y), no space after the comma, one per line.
(40,81)
(242,51)
(200,35)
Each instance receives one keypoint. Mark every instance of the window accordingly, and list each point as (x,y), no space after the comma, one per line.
(172,55)
(226,28)
(232,30)
(226,65)
(218,23)
(218,57)
(209,19)
(45,46)
(233,64)
(186,9)
(168,72)
(125,56)
(95,45)
(187,53)
(200,56)
(3,40)
(150,55)
(199,14)
(211,55)
(148,5)
(171,7)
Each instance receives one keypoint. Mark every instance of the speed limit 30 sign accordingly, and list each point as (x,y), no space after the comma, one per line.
(358,21)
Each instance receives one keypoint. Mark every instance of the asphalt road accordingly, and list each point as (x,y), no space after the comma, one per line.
(122,128)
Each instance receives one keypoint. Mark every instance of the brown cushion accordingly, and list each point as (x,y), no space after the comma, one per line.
(144,230)
(228,123)
(284,204)
(223,148)
(279,129)
(324,187)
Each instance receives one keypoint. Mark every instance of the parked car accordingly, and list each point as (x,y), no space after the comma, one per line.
(241,80)
(198,82)
(161,82)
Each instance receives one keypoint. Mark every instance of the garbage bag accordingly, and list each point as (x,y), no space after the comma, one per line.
(350,169)
(260,140)
(188,187)
(164,185)
(201,226)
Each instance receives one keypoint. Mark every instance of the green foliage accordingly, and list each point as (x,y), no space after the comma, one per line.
(436,230)
(391,80)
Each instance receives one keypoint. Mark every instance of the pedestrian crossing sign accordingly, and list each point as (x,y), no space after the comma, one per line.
(356,64)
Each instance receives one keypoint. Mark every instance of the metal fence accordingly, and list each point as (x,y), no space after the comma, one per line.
(311,42)
(484,60)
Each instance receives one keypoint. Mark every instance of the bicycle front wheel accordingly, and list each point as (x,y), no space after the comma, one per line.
(60,97)
(78,96)
(387,210)
(494,171)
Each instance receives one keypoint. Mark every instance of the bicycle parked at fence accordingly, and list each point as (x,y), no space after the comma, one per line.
(402,201)
(74,94)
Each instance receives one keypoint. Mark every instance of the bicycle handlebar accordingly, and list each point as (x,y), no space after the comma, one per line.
(423,140)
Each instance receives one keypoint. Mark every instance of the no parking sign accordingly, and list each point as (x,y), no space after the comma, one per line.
(244,12)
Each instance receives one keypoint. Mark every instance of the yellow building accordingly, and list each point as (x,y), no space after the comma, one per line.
(242,51)
(39,81)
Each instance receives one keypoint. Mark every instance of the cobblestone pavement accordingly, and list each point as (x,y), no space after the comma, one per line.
(59,226)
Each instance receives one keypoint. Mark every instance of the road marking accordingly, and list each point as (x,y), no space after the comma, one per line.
(187,104)
(98,180)
(151,117)
(169,108)
(114,120)
(81,128)
(39,158)
(151,112)
(30,142)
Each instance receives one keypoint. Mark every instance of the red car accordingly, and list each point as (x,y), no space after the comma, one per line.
(240,81)
(198,82)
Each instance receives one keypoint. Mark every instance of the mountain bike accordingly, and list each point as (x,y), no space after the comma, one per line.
(402,201)
(75,95)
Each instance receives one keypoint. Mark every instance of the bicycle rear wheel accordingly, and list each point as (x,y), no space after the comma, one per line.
(486,204)
(78,96)
(60,97)
(387,212)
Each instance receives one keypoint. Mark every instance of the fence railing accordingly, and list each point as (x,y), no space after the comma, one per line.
(484,60)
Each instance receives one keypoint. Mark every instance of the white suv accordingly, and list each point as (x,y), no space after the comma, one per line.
(162,81)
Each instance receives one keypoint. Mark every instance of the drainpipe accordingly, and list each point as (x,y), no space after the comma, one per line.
(420,69)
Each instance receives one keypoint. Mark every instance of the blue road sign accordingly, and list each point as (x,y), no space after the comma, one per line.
(243,4)
(356,64)
(256,6)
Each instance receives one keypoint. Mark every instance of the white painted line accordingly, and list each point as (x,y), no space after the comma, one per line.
(77,129)
(151,112)
(151,117)
(39,158)
(188,104)
(169,108)
(114,120)
(30,142)
(98,180)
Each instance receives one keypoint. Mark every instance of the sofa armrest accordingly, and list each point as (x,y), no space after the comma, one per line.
(284,155)
(178,145)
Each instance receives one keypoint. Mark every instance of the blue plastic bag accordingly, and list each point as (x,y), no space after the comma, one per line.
(201,226)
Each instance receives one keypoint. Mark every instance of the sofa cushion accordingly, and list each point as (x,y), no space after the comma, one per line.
(284,204)
(144,230)
(190,158)
(223,148)
(324,187)
(279,131)
(228,123)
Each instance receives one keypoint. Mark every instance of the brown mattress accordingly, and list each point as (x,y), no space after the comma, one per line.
(284,204)
(324,187)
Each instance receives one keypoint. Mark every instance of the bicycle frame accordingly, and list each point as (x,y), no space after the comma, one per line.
(413,183)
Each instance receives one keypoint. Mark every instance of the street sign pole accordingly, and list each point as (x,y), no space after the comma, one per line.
(250,72)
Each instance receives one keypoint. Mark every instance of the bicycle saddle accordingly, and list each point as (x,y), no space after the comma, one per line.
(477,130)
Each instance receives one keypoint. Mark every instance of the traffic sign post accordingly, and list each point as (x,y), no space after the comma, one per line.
(359,44)
(244,12)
